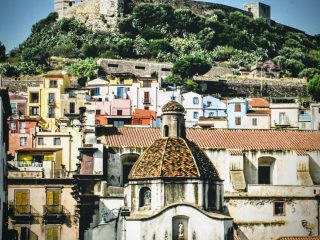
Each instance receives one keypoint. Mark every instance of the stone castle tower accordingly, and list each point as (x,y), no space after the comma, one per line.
(259,10)
(96,14)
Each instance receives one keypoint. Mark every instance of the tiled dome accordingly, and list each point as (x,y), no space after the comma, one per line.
(173,106)
(173,158)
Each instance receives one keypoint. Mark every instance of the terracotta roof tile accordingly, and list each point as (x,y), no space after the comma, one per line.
(259,112)
(302,152)
(173,158)
(220,139)
(258,102)
(235,152)
(300,238)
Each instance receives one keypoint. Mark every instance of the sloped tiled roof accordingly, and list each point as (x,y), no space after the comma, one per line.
(173,158)
(173,106)
(259,112)
(258,103)
(219,139)
(300,238)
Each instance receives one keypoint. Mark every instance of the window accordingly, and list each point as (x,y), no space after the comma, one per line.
(195,115)
(319,110)
(146,98)
(165,69)
(121,81)
(140,67)
(57,141)
(119,112)
(209,104)
(147,83)
(14,108)
(25,233)
(146,108)
(254,121)
(13,126)
(52,98)
(34,97)
(279,208)
(53,232)
(98,112)
(40,141)
(264,174)
(282,117)
(53,84)
(53,201)
(303,125)
(23,141)
(51,112)
(72,107)
(34,111)
(113,65)
(237,107)
(118,123)
(211,114)
(145,197)
(166,131)
(21,199)
(195,100)
(238,121)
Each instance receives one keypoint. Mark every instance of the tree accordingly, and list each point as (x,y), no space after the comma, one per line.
(161,45)
(314,87)
(188,22)
(125,48)
(308,73)
(90,50)
(9,70)
(86,68)
(2,52)
(189,66)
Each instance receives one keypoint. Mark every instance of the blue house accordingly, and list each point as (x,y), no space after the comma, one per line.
(214,107)
(237,113)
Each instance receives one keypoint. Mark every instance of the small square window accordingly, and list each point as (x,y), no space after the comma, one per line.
(57,141)
(40,141)
(195,100)
(279,208)
(211,114)
(209,104)
(23,141)
(254,122)
(238,121)
(119,112)
(237,107)
(195,115)
(98,112)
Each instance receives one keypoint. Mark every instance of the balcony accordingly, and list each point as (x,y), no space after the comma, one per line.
(304,118)
(146,101)
(22,214)
(55,214)
(28,164)
(51,102)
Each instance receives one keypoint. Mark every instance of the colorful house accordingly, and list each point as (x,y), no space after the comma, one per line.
(45,100)
(237,113)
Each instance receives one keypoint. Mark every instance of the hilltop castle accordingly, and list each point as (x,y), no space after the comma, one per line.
(105,14)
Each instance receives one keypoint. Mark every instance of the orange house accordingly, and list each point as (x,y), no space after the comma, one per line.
(143,117)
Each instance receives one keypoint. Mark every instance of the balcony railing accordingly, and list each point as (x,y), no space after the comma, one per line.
(146,100)
(55,213)
(52,102)
(22,214)
(22,210)
(28,164)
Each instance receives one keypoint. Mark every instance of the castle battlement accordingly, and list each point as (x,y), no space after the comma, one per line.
(105,14)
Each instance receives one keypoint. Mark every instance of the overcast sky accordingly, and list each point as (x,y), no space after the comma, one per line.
(17,16)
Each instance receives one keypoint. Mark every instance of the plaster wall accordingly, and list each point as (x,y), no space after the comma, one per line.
(263,122)
(291,111)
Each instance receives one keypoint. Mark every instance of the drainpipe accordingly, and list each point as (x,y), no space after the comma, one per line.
(70,140)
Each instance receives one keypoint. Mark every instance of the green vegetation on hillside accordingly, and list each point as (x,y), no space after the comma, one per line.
(163,33)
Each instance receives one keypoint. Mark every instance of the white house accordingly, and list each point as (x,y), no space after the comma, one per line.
(284,115)
(237,109)
(192,102)
(315,116)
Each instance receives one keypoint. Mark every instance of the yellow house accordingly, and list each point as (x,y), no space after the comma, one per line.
(126,79)
(45,100)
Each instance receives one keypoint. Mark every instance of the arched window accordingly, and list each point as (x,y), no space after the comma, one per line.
(166,131)
(144,197)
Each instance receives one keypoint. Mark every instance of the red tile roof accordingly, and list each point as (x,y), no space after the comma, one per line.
(220,139)
(235,152)
(173,158)
(258,103)
(300,238)
(259,112)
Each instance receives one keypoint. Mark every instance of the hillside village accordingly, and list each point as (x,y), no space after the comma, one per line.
(112,149)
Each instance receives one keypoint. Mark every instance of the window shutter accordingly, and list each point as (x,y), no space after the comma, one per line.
(18,198)
(24,198)
(56,198)
(50,198)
